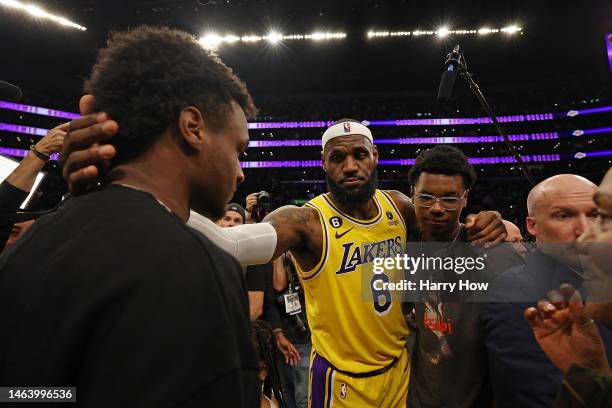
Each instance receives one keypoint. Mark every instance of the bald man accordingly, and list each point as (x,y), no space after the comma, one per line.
(570,340)
(560,209)
(515,238)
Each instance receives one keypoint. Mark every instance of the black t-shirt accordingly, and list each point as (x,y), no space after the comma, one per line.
(256,277)
(115,295)
(450,365)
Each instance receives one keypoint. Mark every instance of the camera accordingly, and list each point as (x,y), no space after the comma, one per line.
(263,199)
(262,208)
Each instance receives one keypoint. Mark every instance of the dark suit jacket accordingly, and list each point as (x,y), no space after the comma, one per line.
(521,374)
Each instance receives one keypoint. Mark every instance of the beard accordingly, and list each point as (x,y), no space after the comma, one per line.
(356,196)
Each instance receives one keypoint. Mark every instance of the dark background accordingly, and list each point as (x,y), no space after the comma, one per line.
(561,39)
(558,63)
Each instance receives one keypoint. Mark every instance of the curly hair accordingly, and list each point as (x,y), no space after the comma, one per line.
(144,77)
(446,160)
(263,341)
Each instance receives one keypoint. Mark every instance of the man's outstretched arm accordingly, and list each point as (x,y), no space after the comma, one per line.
(284,229)
(295,227)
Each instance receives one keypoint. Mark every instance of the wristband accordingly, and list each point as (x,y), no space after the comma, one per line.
(39,154)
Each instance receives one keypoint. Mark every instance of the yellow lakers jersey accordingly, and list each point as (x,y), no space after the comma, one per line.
(355,326)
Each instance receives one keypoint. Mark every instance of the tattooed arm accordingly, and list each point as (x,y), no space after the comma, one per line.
(298,229)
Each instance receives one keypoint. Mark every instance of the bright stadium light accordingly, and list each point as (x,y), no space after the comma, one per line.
(211,41)
(443,32)
(251,38)
(511,29)
(486,30)
(318,36)
(230,38)
(274,37)
(38,12)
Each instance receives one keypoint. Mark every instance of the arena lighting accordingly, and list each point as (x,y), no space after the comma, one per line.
(37,12)
(589,111)
(274,37)
(251,38)
(485,31)
(438,140)
(413,140)
(210,41)
(213,40)
(444,32)
(395,162)
(8,127)
(511,29)
(37,110)
(318,36)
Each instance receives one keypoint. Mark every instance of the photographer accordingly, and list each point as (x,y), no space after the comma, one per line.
(258,277)
(289,305)
(257,206)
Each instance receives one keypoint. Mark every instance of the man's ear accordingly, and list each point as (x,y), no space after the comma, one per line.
(532,226)
(465,199)
(191,127)
(323,161)
(375,154)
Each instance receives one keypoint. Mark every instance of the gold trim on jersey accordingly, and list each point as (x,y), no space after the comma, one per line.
(314,272)
(398,213)
(355,220)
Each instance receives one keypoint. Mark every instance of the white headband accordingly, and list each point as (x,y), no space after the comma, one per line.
(346,129)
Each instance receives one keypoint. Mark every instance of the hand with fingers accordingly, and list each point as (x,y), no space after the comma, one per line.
(85,155)
(566,333)
(251,201)
(292,355)
(485,228)
(53,140)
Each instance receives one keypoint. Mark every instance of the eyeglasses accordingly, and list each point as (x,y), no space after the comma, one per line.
(448,203)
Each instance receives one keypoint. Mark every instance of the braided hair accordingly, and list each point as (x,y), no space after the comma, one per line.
(265,347)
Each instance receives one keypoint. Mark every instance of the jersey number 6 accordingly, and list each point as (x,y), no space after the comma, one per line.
(381,297)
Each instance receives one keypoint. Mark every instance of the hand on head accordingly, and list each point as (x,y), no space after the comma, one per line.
(84,154)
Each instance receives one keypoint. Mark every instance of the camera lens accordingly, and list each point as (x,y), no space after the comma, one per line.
(263,198)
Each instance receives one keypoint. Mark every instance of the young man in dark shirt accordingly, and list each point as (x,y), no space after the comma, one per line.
(113,293)
(449,364)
